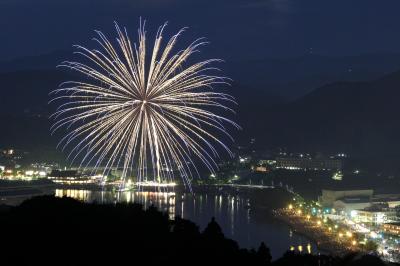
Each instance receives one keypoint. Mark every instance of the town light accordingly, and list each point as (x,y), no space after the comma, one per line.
(300,248)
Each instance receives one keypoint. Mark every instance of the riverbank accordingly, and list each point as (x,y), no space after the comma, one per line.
(261,200)
(37,222)
(326,241)
(245,214)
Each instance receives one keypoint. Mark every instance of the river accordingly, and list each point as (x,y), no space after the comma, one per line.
(239,221)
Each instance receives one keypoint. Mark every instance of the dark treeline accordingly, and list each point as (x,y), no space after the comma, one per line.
(62,231)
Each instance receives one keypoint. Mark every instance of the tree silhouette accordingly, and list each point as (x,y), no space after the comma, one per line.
(48,230)
(213,230)
(264,254)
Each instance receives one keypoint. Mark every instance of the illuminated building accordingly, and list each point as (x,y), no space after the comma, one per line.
(244,159)
(329,197)
(357,199)
(348,204)
(392,228)
(374,216)
(337,176)
(8,174)
(392,200)
(72,177)
(304,163)
(261,169)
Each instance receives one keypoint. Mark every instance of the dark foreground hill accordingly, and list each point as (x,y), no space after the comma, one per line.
(62,231)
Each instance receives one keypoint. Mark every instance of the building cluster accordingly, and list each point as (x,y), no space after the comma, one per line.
(307,163)
(302,162)
(253,166)
(74,177)
(364,206)
(29,172)
(10,158)
(20,165)
(17,165)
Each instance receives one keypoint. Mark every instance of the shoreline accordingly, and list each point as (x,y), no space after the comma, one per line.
(324,242)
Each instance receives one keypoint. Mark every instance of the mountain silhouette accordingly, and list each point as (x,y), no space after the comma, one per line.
(290,78)
(356,117)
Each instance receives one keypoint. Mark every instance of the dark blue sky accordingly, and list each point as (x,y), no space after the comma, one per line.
(237,29)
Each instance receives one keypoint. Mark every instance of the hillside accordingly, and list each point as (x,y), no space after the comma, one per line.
(289,78)
(354,117)
(360,118)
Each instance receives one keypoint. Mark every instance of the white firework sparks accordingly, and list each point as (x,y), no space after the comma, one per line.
(149,116)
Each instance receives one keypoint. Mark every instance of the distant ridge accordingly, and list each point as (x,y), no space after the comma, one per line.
(288,78)
(47,61)
(361,117)
(354,117)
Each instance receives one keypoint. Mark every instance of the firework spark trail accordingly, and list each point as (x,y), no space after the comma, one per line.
(137,116)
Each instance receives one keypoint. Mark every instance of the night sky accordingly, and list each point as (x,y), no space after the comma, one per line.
(237,29)
(267,46)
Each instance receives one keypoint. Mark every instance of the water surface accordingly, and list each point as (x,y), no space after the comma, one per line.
(249,227)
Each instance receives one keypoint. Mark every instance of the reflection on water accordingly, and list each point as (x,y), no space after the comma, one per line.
(82,195)
(162,200)
(248,227)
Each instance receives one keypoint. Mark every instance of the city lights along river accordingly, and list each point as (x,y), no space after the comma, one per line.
(239,220)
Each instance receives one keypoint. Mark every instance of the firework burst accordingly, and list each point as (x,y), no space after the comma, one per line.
(149,114)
